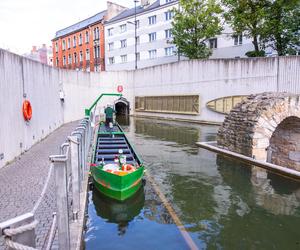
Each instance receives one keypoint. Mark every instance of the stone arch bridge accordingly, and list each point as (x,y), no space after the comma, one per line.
(266,127)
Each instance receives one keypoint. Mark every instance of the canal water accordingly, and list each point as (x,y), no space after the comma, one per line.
(223,204)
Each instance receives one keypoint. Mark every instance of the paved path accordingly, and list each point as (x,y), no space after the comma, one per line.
(22,181)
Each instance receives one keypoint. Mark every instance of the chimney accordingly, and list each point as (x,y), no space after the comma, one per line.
(144,3)
(113,10)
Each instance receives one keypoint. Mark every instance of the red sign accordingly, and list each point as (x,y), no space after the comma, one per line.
(120,88)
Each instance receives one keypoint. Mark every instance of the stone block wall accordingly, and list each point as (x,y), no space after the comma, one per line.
(265,127)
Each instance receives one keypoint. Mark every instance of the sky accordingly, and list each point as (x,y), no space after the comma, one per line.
(24,23)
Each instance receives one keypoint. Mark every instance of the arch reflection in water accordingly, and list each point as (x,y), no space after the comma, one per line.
(271,192)
(120,213)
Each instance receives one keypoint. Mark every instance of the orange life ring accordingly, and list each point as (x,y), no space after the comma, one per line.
(128,168)
(27,110)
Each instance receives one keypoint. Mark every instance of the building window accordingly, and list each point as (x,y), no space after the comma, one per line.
(96,33)
(75,57)
(63,45)
(56,47)
(169,51)
(138,56)
(123,43)
(152,54)
(168,1)
(64,60)
(57,62)
(110,31)
(111,60)
(87,37)
(238,39)
(152,37)
(69,43)
(80,39)
(80,56)
(74,41)
(169,15)
(137,40)
(123,28)
(213,43)
(124,58)
(152,20)
(168,33)
(87,54)
(96,52)
(111,46)
(70,59)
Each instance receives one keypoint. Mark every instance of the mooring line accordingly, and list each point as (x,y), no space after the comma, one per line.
(172,212)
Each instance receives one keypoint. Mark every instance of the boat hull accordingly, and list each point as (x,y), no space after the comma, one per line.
(115,186)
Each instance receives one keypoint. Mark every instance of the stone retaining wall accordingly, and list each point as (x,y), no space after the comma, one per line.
(250,126)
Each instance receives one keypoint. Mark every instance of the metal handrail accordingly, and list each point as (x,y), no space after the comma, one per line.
(88,111)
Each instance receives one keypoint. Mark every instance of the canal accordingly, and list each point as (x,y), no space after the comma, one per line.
(222,203)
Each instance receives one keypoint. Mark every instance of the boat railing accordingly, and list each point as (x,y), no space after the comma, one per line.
(66,182)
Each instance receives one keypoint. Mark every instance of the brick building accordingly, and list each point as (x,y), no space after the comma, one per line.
(81,45)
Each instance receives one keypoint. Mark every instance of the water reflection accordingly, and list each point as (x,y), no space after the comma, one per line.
(262,185)
(123,120)
(120,213)
(164,131)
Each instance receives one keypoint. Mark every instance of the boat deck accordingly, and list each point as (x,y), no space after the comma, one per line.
(109,142)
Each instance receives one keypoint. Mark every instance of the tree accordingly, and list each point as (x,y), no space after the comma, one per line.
(282,26)
(247,17)
(193,24)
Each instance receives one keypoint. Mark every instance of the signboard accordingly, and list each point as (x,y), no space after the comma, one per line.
(120,89)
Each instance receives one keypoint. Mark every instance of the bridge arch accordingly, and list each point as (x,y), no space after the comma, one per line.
(266,127)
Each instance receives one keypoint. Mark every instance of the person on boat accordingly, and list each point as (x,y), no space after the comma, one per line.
(109,113)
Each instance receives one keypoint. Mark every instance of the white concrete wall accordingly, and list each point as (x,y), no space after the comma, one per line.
(40,83)
(210,79)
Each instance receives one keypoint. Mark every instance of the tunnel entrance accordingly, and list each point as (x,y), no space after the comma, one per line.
(122,107)
(284,149)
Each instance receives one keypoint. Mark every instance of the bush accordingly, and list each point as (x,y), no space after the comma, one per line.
(254,53)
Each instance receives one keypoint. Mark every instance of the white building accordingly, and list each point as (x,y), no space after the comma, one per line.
(154,23)
(153,35)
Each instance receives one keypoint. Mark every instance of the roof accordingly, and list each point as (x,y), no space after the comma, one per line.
(80,25)
(131,12)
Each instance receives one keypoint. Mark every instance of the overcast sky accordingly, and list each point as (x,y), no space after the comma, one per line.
(24,23)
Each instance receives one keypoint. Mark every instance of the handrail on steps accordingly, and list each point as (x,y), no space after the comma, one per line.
(88,111)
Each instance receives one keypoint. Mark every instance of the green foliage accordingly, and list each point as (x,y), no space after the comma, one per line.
(194,23)
(246,17)
(255,53)
(282,26)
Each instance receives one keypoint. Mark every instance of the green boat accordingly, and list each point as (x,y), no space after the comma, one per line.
(116,169)
(109,178)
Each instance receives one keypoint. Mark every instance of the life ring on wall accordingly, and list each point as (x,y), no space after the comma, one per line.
(27,110)
(128,168)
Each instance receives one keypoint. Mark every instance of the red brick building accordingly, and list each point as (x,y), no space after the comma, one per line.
(81,45)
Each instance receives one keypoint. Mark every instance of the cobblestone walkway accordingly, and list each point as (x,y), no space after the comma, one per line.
(22,181)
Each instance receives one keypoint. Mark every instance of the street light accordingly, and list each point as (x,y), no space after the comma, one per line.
(135,32)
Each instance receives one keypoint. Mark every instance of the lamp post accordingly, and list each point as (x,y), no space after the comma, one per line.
(135,33)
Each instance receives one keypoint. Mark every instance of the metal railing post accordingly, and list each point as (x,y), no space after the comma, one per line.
(60,172)
(83,142)
(79,134)
(74,146)
(11,229)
